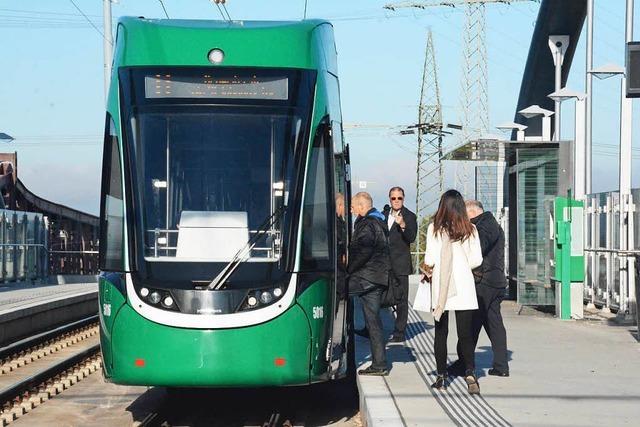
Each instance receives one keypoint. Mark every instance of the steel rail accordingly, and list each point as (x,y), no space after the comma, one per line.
(24,385)
(40,338)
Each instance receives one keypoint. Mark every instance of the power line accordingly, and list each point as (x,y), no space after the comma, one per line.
(164,8)
(89,21)
(46,13)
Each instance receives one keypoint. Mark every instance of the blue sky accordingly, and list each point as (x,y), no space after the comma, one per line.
(51,82)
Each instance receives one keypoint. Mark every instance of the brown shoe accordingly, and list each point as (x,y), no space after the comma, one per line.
(472,384)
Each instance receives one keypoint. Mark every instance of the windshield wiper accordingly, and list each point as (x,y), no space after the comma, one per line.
(241,255)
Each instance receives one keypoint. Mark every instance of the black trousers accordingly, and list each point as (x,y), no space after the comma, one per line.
(371,295)
(488,316)
(464,325)
(400,285)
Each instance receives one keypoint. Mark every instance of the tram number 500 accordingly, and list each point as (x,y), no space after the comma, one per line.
(318,312)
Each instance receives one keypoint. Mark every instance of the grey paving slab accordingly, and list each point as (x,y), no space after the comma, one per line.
(576,373)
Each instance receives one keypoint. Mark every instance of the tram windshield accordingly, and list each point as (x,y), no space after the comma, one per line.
(214,161)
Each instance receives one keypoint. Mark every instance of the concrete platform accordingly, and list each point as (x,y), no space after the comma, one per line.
(26,309)
(562,374)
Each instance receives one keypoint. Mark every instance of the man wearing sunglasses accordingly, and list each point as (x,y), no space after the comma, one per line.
(403,228)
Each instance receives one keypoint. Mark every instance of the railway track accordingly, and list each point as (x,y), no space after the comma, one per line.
(320,404)
(37,368)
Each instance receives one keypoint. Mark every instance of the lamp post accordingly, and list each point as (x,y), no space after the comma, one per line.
(589,90)
(579,176)
(626,242)
(558,46)
(534,111)
(514,126)
(5,137)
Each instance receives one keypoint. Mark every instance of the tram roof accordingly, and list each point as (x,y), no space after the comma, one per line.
(293,44)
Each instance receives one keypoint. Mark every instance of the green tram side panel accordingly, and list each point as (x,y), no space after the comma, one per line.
(110,301)
(317,303)
(270,354)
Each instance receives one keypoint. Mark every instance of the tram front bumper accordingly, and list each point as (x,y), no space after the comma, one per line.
(270,354)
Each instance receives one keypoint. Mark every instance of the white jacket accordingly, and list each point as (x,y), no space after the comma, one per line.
(467,255)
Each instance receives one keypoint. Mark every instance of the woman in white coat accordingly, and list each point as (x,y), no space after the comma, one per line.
(453,250)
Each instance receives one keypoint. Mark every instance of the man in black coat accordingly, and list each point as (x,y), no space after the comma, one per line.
(368,267)
(403,227)
(490,287)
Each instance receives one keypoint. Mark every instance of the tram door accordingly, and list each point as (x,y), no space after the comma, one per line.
(342,220)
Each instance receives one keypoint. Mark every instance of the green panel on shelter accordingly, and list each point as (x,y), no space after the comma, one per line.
(570,211)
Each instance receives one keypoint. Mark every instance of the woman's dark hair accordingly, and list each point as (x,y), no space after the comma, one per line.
(452,218)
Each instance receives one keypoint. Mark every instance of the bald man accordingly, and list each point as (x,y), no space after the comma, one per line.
(368,269)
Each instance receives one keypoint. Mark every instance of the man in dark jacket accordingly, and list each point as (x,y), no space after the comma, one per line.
(403,228)
(490,286)
(368,269)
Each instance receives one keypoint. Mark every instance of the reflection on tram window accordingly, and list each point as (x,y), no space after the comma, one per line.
(214,171)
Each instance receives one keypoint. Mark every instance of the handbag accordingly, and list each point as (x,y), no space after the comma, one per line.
(422,301)
(388,298)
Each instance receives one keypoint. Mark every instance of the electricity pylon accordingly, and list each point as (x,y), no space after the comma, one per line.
(429,174)
(474,94)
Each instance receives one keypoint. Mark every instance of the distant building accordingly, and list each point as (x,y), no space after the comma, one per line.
(40,237)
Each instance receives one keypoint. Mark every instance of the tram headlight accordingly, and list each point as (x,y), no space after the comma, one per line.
(258,298)
(266,297)
(144,292)
(168,301)
(215,56)
(154,297)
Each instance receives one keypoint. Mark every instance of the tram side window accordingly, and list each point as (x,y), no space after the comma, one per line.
(318,204)
(112,205)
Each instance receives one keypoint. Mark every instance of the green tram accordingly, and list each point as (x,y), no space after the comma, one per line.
(222,224)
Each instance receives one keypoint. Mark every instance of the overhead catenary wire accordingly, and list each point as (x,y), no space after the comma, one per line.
(89,21)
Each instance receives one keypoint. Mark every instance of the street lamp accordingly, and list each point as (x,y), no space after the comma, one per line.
(607,71)
(514,126)
(534,111)
(558,45)
(579,173)
(5,138)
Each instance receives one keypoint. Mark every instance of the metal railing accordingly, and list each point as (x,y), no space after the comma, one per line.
(23,246)
(611,246)
(162,238)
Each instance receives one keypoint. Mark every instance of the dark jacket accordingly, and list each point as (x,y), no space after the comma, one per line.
(400,241)
(369,249)
(491,272)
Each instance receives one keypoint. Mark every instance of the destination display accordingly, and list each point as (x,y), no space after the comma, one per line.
(208,86)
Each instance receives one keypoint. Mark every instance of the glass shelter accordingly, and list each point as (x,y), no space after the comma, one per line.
(527,176)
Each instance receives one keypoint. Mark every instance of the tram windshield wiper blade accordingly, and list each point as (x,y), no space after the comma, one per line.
(240,256)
